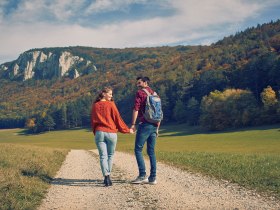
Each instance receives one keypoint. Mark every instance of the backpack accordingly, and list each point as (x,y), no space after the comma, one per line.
(153,111)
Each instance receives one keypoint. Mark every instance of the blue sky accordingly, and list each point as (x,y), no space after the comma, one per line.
(27,24)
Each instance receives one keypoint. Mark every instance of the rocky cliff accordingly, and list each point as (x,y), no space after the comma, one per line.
(45,64)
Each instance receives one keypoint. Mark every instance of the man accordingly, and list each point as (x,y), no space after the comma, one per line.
(146,132)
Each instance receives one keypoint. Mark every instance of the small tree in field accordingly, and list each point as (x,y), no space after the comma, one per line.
(270,106)
(268,97)
(30,124)
(230,108)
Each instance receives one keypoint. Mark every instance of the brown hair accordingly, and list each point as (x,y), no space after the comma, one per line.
(144,79)
(100,95)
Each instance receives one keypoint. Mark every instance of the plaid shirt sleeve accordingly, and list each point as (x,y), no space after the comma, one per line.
(139,100)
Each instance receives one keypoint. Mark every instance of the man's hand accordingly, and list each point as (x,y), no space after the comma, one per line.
(158,129)
(133,128)
(157,132)
(133,120)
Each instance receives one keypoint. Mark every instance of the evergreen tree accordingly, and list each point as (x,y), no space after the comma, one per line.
(48,123)
(179,112)
(64,119)
(192,112)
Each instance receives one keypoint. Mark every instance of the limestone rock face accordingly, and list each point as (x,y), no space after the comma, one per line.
(40,64)
(76,74)
(66,60)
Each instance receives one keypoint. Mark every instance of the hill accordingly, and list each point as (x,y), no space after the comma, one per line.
(43,81)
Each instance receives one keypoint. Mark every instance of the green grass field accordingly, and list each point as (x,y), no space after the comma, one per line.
(249,157)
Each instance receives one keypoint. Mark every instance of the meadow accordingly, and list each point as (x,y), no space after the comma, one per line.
(25,174)
(249,157)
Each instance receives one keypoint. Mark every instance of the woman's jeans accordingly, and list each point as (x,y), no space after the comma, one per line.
(146,132)
(106,144)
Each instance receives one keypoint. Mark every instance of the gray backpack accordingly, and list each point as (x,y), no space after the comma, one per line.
(153,110)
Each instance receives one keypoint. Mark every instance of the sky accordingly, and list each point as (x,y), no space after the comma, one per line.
(28,24)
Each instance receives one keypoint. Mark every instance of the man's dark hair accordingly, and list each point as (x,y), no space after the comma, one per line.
(144,79)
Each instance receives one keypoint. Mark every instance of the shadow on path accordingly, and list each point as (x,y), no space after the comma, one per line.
(82,182)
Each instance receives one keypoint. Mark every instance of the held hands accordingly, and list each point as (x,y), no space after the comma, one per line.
(131,131)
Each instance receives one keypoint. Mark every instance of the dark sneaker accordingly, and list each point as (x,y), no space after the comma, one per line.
(140,180)
(109,181)
(152,180)
(106,181)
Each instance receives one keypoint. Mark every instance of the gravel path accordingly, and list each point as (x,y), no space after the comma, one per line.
(78,185)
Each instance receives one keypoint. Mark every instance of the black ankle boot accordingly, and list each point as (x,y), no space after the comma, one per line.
(106,181)
(109,181)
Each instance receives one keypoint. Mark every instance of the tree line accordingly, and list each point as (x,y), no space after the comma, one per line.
(214,99)
(219,110)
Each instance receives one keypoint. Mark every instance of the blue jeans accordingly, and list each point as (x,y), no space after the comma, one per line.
(106,144)
(146,132)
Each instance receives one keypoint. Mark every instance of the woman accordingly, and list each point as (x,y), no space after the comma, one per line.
(106,122)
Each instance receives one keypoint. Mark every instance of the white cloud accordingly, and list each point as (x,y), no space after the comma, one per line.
(27,11)
(43,10)
(111,5)
(2,4)
(203,13)
(64,9)
(203,20)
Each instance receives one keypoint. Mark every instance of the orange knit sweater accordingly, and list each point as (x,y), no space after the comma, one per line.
(106,117)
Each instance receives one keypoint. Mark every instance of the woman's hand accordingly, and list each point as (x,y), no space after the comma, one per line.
(131,131)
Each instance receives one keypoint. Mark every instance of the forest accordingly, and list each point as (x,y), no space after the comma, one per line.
(232,83)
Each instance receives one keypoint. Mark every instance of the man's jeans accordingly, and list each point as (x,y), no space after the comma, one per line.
(146,132)
(106,144)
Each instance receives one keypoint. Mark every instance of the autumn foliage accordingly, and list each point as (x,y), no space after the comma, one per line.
(232,83)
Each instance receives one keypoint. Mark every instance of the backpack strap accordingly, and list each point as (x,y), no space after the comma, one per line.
(147,92)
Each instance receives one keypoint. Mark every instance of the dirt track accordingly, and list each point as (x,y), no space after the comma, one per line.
(78,185)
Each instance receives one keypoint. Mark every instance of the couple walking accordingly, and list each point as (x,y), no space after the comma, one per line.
(106,122)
